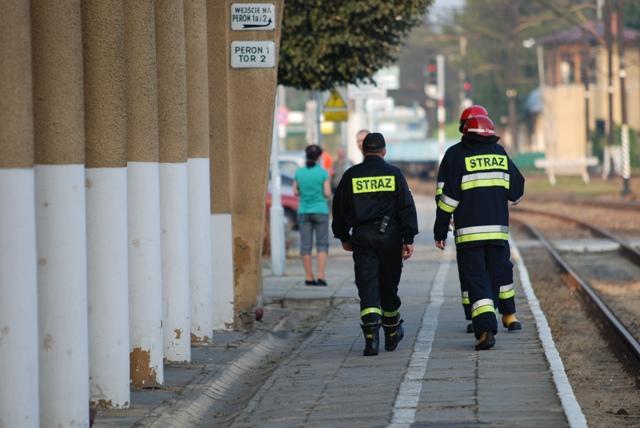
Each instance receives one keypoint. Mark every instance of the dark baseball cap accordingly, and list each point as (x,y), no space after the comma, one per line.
(373,142)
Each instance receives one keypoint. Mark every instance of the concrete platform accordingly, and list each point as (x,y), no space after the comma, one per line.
(310,372)
(435,378)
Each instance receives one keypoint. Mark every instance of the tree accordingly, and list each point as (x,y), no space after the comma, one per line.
(327,43)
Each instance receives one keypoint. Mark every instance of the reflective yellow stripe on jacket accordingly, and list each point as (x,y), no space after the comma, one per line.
(447,204)
(482,233)
(485,179)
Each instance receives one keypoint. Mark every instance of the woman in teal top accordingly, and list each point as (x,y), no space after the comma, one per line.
(312,185)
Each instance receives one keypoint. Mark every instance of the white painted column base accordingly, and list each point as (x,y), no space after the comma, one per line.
(62,295)
(222,256)
(108,291)
(200,279)
(145,267)
(18,300)
(174,219)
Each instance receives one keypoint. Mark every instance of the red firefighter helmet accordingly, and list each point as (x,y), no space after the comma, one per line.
(474,110)
(480,125)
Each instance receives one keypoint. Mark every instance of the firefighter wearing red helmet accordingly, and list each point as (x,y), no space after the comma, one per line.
(471,111)
(478,180)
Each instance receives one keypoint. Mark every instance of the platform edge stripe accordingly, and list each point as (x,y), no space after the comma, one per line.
(404,408)
(570,405)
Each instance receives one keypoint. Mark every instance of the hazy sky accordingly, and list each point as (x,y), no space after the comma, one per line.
(444,4)
(443,7)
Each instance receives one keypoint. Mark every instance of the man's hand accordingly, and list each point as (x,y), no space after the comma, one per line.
(347,246)
(440,244)
(407,251)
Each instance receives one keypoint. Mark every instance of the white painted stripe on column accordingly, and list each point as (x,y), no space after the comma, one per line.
(18,300)
(200,278)
(108,291)
(404,408)
(222,256)
(145,262)
(62,295)
(570,404)
(174,219)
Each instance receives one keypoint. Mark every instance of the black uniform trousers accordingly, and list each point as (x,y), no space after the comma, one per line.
(487,272)
(502,277)
(377,261)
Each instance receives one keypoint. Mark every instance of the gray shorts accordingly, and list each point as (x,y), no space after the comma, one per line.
(309,223)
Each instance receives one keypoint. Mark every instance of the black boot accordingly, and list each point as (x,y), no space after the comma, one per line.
(371,333)
(393,334)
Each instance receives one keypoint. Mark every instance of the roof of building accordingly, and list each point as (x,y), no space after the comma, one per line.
(577,34)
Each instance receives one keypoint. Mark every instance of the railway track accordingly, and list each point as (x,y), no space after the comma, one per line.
(624,342)
(616,204)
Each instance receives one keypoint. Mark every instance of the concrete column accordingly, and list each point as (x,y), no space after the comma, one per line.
(18,272)
(174,202)
(143,191)
(248,114)
(60,212)
(195,15)
(220,150)
(106,193)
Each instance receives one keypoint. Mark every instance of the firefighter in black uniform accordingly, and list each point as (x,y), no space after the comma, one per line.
(505,304)
(375,217)
(479,181)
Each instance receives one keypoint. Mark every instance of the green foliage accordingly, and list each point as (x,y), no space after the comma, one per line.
(488,30)
(326,43)
(599,141)
(631,13)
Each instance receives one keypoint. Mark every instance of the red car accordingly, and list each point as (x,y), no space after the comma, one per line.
(290,202)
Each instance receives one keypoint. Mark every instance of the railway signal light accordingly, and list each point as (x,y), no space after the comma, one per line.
(431,77)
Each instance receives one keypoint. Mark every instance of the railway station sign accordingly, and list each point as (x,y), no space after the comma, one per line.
(253,16)
(253,54)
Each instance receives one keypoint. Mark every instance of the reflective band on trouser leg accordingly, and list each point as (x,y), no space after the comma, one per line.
(507,291)
(389,314)
(447,204)
(367,311)
(465,298)
(482,306)
(439,188)
(482,233)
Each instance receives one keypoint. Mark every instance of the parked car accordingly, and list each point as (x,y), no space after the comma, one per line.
(290,161)
(289,202)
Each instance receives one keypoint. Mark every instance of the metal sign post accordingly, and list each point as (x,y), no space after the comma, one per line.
(276,212)
(441,110)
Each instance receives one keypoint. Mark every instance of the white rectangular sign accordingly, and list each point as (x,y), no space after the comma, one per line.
(253,16)
(253,54)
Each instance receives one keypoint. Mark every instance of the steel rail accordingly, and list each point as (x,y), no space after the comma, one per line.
(623,205)
(628,341)
(632,254)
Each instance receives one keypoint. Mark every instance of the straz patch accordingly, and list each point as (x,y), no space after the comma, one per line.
(384,183)
(484,162)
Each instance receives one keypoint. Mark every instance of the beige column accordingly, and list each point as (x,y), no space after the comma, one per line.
(201,287)
(60,212)
(106,193)
(245,102)
(143,191)
(220,154)
(174,204)
(18,272)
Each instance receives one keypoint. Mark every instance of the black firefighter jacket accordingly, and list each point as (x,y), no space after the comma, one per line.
(370,191)
(476,180)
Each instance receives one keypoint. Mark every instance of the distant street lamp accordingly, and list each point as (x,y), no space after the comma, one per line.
(528,44)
